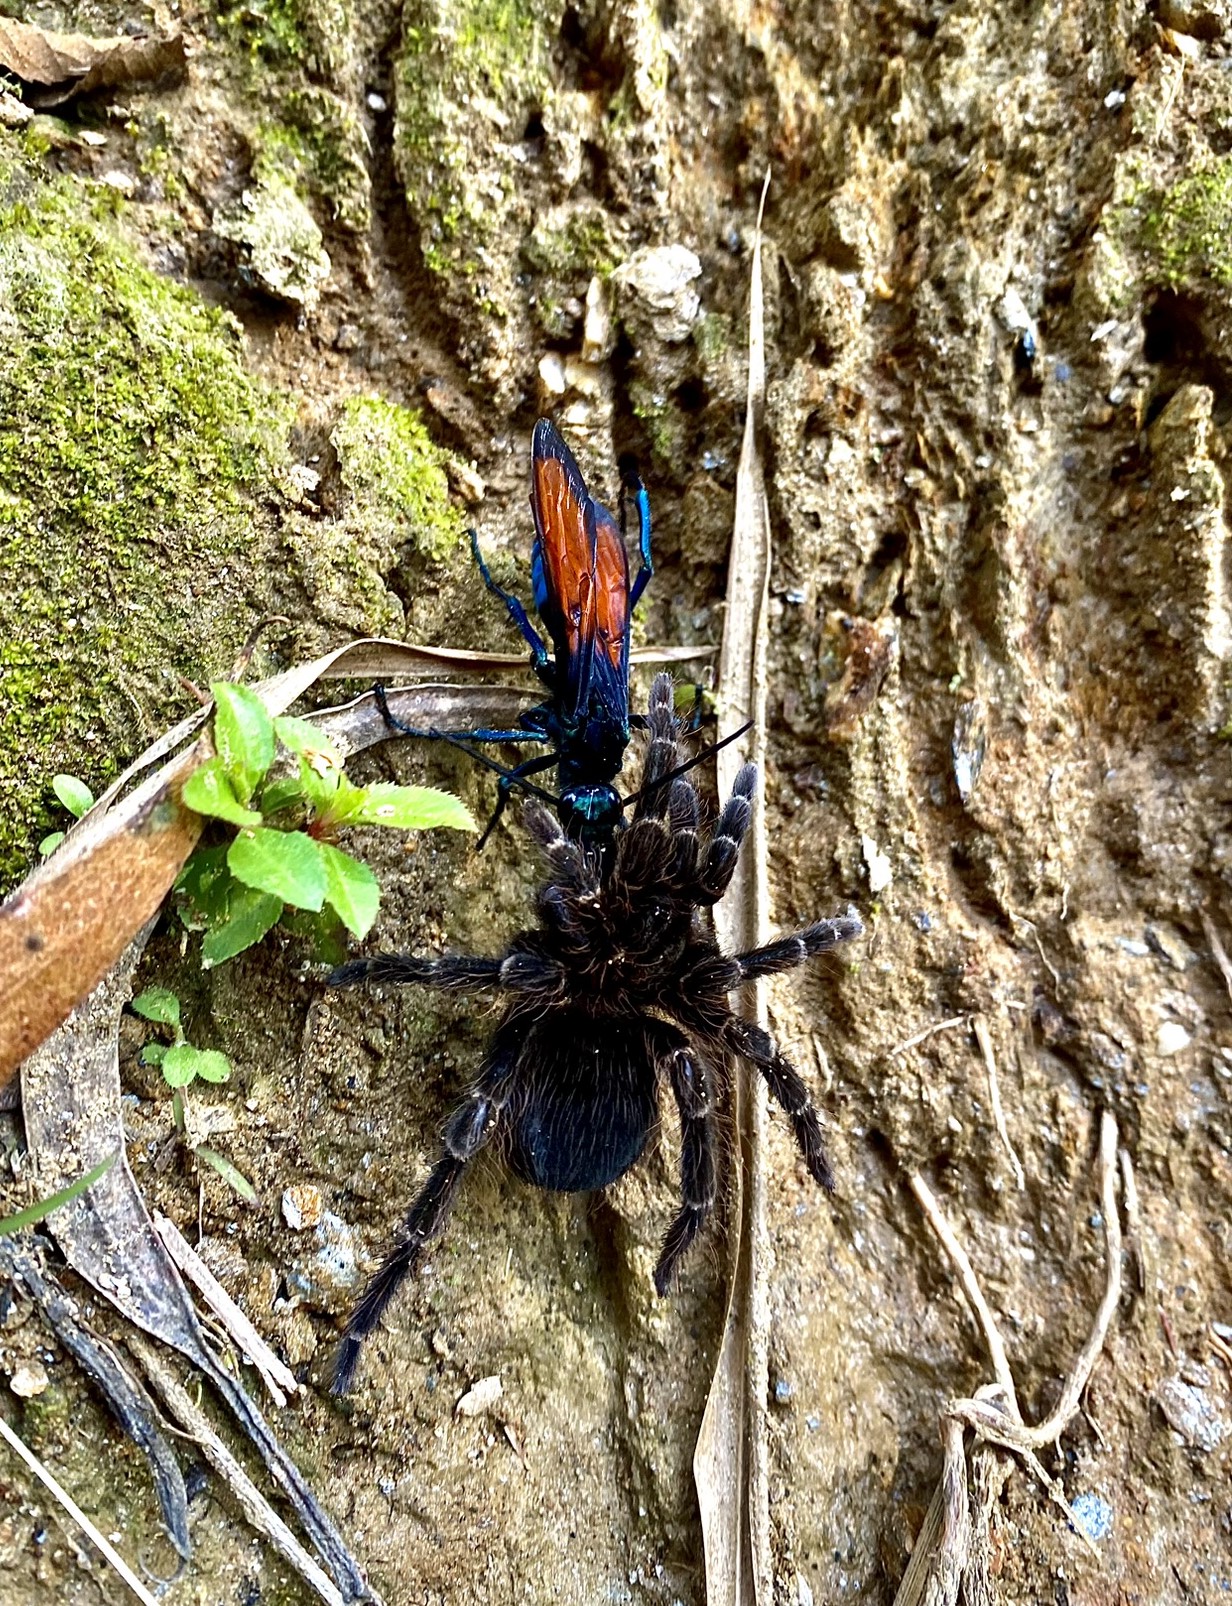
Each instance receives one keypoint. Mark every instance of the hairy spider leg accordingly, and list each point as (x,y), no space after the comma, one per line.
(521,970)
(788,952)
(661,752)
(540,657)
(631,487)
(690,1084)
(755,1044)
(424,1221)
(467,1130)
(727,837)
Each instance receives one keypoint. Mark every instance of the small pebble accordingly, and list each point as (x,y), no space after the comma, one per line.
(1092,1514)
(552,373)
(1172,1038)
(301,1206)
(377,103)
(480,1397)
(29,1380)
(783,1391)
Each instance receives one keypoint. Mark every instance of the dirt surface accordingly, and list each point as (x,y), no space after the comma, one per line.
(999,262)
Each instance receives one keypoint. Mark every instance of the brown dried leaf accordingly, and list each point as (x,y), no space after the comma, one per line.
(59,66)
(730,1461)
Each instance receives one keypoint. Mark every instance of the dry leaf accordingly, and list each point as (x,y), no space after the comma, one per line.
(730,1461)
(59,66)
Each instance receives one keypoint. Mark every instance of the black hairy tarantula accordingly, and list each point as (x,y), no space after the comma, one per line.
(619,988)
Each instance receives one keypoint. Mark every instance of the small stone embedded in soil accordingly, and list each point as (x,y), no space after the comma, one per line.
(552,373)
(880,874)
(481,1397)
(1168,945)
(301,1206)
(29,1380)
(660,277)
(282,242)
(1172,1038)
(598,333)
(1190,1413)
(1092,1514)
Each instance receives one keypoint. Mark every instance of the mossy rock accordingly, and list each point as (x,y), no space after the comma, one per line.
(135,451)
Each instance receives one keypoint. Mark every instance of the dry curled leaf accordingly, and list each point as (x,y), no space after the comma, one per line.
(59,66)
(730,1461)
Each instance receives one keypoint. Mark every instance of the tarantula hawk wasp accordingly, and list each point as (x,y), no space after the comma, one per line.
(619,989)
(580,578)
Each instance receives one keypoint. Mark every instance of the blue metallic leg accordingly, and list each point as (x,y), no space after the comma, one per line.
(516,611)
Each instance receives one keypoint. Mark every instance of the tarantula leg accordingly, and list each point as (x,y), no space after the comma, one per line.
(683,814)
(727,837)
(661,754)
(424,1220)
(788,952)
(698,1181)
(455,973)
(785,1083)
(467,1130)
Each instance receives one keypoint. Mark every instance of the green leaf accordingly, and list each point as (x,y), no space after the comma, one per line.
(320,787)
(158,1003)
(250,915)
(303,737)
(49,844)
(324,932)
(243,736)
(353,890)
(411,808)
(206,888)
(286,864)
(183,1062)
(74,794)
(154,1053)
(210,790)
(344,805)
(33,1214)
(227,1171)
(288,792)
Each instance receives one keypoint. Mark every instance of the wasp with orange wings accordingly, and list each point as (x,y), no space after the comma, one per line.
(580,578)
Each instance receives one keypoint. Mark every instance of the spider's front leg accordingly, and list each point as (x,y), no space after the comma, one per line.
(690,1082)
(467,1130)
(520,970)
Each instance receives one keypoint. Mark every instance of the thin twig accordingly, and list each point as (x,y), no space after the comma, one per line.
(276,1375)
(106,1549)
(993,1413)
(1218,951)
(929,1031)
(971,1288)
(248,1497)
(1071,1395)
(979,1025)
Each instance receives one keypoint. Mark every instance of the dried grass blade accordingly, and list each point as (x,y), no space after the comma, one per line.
(730,1461)
(61,1495)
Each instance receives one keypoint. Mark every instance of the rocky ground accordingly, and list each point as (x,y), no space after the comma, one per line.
(275,332)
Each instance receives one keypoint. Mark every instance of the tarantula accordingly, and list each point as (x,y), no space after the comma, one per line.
(618,989)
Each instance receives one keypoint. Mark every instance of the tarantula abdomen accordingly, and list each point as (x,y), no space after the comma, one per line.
(618,992)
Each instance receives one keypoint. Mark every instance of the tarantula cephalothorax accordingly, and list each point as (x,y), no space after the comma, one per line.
(618,989)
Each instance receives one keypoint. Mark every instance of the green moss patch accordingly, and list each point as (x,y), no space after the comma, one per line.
(132,447)
(396,473)
(1189,228)
(470,74)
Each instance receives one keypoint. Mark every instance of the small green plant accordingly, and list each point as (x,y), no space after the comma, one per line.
(181,1064)
(287,806)
(76,797)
